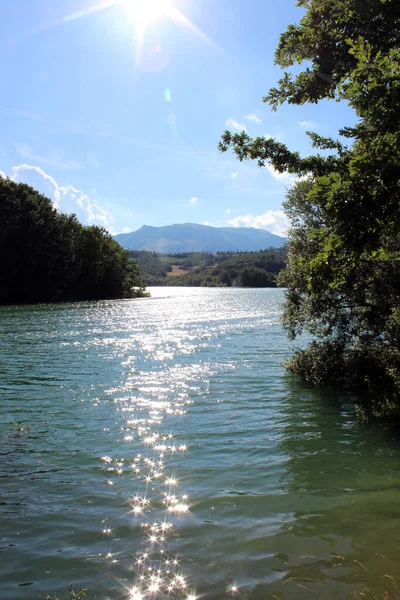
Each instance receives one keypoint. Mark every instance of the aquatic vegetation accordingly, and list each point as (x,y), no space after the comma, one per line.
(386,595)
(22,430)
(72,594)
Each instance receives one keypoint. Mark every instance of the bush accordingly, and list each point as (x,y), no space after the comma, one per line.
(372,373)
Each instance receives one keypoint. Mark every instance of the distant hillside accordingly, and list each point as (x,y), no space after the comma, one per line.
(191,237)
(224,269)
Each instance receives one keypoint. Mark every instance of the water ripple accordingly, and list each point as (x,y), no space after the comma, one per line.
(155,449)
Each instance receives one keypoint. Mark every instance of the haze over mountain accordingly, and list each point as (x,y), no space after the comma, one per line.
(192,237)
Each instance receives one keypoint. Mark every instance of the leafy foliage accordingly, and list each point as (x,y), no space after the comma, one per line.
(48,256)
(343,272)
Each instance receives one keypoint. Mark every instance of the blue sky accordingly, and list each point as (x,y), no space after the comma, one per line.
(114,109)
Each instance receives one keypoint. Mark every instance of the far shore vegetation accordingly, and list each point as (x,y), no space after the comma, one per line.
(223,269)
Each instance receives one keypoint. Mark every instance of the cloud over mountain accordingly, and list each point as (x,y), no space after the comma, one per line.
(275,220)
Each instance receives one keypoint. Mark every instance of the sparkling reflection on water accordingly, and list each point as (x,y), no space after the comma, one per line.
(155,449)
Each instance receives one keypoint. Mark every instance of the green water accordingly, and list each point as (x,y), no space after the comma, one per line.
(169,456)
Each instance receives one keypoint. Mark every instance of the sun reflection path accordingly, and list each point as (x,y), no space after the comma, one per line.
(159,500)
(156,571)
(157,389)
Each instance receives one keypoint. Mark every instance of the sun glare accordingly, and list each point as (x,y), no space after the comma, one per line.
(147,10)
(144,14)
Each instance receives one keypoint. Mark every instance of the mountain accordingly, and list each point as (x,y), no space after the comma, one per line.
(191,237)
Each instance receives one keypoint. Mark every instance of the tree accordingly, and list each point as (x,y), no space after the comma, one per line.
(48,256)
(343,273)
(224,277)
(253,277)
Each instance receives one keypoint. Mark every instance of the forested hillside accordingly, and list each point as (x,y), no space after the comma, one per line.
(48,256)
(224,269)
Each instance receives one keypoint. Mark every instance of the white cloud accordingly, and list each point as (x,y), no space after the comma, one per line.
(193,201)
(234,175)
(306,123)
(285,177)
(126,229)
(92,211)
(54,159)
(252,117)
(3,175)
(232,123)
(228,211)
(279,137)
(53,183)
(301,178)
(274,221)
(65,198)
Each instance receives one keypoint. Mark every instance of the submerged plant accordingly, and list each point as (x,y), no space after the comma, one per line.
(72,595)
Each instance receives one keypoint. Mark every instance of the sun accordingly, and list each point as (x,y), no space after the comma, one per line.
(143,14)
(144,11)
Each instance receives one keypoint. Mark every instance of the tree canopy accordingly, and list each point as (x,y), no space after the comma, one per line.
(343,273)
(49,256)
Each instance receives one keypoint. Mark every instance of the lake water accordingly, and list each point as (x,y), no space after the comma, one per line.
(155,448)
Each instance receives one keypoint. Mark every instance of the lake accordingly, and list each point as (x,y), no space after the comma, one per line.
(155,448)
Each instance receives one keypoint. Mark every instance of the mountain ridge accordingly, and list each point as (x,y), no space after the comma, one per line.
(194,237)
